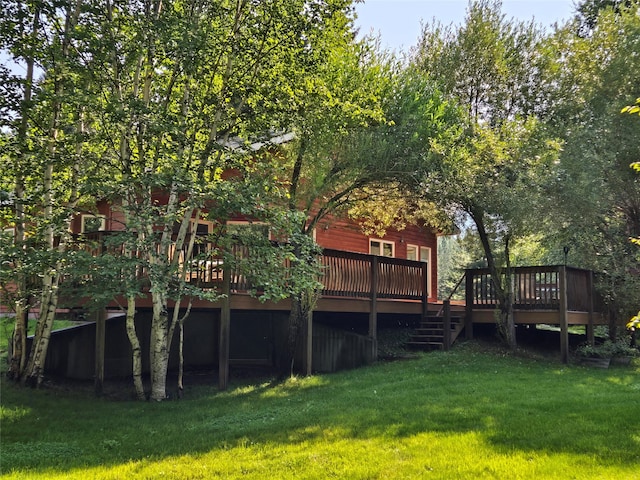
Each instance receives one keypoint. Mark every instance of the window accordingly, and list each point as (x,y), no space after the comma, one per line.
(423,254)
(381,248)
(93,223)
(248,228)
(416,253)
(201,245)
(8,234)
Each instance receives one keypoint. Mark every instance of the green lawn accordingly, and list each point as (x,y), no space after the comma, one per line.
(474,412)
(6,331)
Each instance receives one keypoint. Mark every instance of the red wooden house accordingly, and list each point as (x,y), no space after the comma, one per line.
(369,282)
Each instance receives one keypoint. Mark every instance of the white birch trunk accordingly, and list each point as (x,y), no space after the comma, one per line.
(136,350)
(159,353)
(35,367)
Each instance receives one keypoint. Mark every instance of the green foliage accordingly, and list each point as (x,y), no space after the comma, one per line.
(493,171)
(588,12)
(632,109)
(593,203)
(621,347)
(455,254)
(150,106)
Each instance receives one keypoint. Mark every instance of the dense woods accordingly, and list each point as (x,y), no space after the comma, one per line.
(513,132)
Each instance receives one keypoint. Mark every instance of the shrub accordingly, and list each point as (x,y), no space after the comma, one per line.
(608,349)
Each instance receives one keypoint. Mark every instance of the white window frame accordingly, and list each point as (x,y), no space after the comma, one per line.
(194,226)
(425,256)
(248,223)
(85,216)
(416,248)
(382,243)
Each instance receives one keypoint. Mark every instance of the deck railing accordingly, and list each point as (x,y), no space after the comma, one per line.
(347,274)
(343,274)
(534,288)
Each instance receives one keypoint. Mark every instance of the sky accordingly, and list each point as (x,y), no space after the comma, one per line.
(399,21)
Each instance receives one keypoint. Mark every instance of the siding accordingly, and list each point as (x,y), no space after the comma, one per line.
(340,234)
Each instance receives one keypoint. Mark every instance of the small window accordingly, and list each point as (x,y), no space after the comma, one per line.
(425,254)
(201,245)
(93,223)
(412,252)
(381,248)
(8,234)
(256,228)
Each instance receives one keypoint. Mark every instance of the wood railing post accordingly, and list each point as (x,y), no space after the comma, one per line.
(425,290)
(100,316)
(590,327)
(373,312)
(564,316)
(468,295)
(446,326)
(307,355)
(225,329)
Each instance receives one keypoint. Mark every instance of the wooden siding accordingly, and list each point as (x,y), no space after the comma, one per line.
(346,235)
(332,233)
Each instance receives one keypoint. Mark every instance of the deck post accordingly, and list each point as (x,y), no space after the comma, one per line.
(100,317)
(307,356)
(446,325)
(373,311)
(564,316)
(590,328)
(425,290)
(468,296)
(225,329)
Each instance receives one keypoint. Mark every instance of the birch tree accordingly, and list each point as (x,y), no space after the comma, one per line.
(167,89)
(181,81)
(45,139)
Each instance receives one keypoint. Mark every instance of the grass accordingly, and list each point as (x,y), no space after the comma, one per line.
(7,325)
(474,412)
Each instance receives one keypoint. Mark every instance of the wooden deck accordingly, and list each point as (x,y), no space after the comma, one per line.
(542,294)
(370,284)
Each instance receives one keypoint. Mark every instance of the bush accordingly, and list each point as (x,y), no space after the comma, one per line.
(608,349)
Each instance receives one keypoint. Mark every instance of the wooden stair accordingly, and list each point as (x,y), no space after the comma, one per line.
(430,334)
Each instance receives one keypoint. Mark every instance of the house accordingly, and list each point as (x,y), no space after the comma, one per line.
(346,319)
(369,282)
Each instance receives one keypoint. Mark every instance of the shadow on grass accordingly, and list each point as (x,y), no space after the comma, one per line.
(515,404)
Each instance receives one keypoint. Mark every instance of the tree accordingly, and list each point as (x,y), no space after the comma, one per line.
(595,202)
(589,10)
(493,171)
(354,120)
(190,78)
(632,110)
(165,90)
(45,134)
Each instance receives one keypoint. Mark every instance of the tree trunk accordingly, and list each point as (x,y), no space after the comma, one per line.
(136,350)
(181,360)
(34,372)
(504,293)
(301,309)
(159,353)
(296,317)
(18,358)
